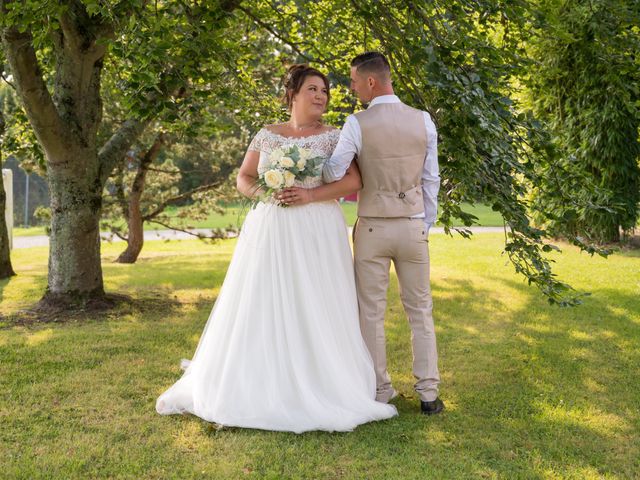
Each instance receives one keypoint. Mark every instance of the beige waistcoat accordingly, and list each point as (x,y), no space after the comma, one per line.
(391,161)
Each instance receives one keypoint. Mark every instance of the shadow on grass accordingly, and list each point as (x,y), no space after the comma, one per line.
(152,283)
(528,390)
(32,287)
(543,383)
(531,390)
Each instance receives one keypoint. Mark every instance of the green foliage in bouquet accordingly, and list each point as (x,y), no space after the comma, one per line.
(286,166)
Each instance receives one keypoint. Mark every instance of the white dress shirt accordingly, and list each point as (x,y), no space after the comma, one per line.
(350,144)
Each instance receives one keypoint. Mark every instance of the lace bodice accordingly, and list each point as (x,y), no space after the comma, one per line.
(321,145)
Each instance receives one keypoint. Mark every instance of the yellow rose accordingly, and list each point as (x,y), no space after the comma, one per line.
(301,163)
(273,179)
(286,162)
(289,178)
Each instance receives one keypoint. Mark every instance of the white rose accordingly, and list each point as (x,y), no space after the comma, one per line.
(301,163)
(286,162)
(289,178)
(304,154)
(273,179)
(275,156)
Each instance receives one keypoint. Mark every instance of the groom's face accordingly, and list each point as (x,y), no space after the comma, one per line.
(361,86)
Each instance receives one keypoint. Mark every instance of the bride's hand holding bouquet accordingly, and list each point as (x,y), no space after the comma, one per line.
(287,165)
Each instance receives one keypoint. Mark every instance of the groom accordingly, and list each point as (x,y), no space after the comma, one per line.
(396,148)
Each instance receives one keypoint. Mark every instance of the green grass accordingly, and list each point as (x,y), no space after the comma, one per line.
(532,391)
(28,231)
(234,216)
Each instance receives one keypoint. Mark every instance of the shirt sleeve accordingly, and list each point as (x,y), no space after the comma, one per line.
(430,174)
(349,145)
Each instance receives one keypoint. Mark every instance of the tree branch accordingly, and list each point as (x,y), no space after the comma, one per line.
(121,199)
(7,81)
(176,199)
(115,148)
(81,32)
(70,36)
(216,234)
(276,34)
(116,232)
(162,170)
(32,89)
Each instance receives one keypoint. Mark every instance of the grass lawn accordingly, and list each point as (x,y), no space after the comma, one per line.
(532,391)
(28,231)
(234,216)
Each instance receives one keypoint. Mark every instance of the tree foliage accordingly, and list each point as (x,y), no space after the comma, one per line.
(19,139)
(457,60)
(586,88)
(192,175)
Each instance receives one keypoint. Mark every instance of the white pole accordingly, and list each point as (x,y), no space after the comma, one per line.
(7,180)
(26,200)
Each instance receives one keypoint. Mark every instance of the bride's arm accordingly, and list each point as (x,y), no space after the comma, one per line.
(248,175)
(350,183)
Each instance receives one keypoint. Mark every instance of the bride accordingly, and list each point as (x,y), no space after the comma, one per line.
(282,348)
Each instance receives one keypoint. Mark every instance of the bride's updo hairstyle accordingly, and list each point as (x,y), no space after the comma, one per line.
(294,79)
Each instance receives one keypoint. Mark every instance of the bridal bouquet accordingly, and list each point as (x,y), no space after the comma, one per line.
(286,165)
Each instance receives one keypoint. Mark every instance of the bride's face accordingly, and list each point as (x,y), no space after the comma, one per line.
(312,97)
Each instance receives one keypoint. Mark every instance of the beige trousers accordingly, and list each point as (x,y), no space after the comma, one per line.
(378,241)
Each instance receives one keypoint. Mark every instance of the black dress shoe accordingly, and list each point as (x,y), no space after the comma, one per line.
(431,408)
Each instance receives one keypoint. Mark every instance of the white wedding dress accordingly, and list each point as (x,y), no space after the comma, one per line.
(282,348)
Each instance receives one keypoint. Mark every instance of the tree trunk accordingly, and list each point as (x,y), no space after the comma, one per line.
(66,122)
(6,269)
(135,237)
(75,271)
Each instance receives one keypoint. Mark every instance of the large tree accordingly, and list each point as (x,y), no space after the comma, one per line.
(57,52)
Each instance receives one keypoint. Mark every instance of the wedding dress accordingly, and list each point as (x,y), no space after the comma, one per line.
(282,348)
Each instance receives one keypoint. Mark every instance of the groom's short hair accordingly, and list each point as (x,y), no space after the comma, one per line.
(372,63)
